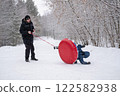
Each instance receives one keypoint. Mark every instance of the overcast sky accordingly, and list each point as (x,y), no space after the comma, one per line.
(42,8)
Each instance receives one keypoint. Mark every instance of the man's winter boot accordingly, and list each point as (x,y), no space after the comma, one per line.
(27,60)
(34,59)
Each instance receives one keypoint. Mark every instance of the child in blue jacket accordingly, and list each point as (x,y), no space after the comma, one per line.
(82,54)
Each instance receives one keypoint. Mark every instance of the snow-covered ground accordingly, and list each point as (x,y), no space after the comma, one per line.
(105,64)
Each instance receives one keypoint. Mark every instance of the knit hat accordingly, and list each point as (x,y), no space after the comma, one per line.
(27,17)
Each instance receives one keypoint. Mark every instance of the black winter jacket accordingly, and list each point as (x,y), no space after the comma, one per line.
(25,27)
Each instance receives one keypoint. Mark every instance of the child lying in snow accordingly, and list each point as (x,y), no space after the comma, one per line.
(81,54)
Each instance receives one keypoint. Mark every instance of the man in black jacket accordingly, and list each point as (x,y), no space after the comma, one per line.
(26,30)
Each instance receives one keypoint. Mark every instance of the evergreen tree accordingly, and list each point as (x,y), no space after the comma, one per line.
(31,8)
(7,9)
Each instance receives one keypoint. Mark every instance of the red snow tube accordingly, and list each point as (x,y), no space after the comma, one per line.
(68,51)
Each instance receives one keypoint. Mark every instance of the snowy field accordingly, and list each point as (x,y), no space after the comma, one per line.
(105,64)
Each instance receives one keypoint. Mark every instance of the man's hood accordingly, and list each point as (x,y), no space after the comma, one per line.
(23,21)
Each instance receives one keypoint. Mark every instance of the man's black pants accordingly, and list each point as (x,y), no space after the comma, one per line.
(29,47)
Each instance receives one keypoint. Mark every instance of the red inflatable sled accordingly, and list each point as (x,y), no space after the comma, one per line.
(68,51)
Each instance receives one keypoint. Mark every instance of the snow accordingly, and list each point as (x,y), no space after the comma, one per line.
(105,64)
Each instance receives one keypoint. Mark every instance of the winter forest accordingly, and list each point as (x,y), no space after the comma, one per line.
(89,22)
(11,14)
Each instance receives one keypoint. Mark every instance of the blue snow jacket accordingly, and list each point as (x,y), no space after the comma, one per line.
(82,54)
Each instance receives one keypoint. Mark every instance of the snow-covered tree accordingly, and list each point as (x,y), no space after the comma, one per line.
(31,8)
(11,14)
(33,12)
(95,22)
